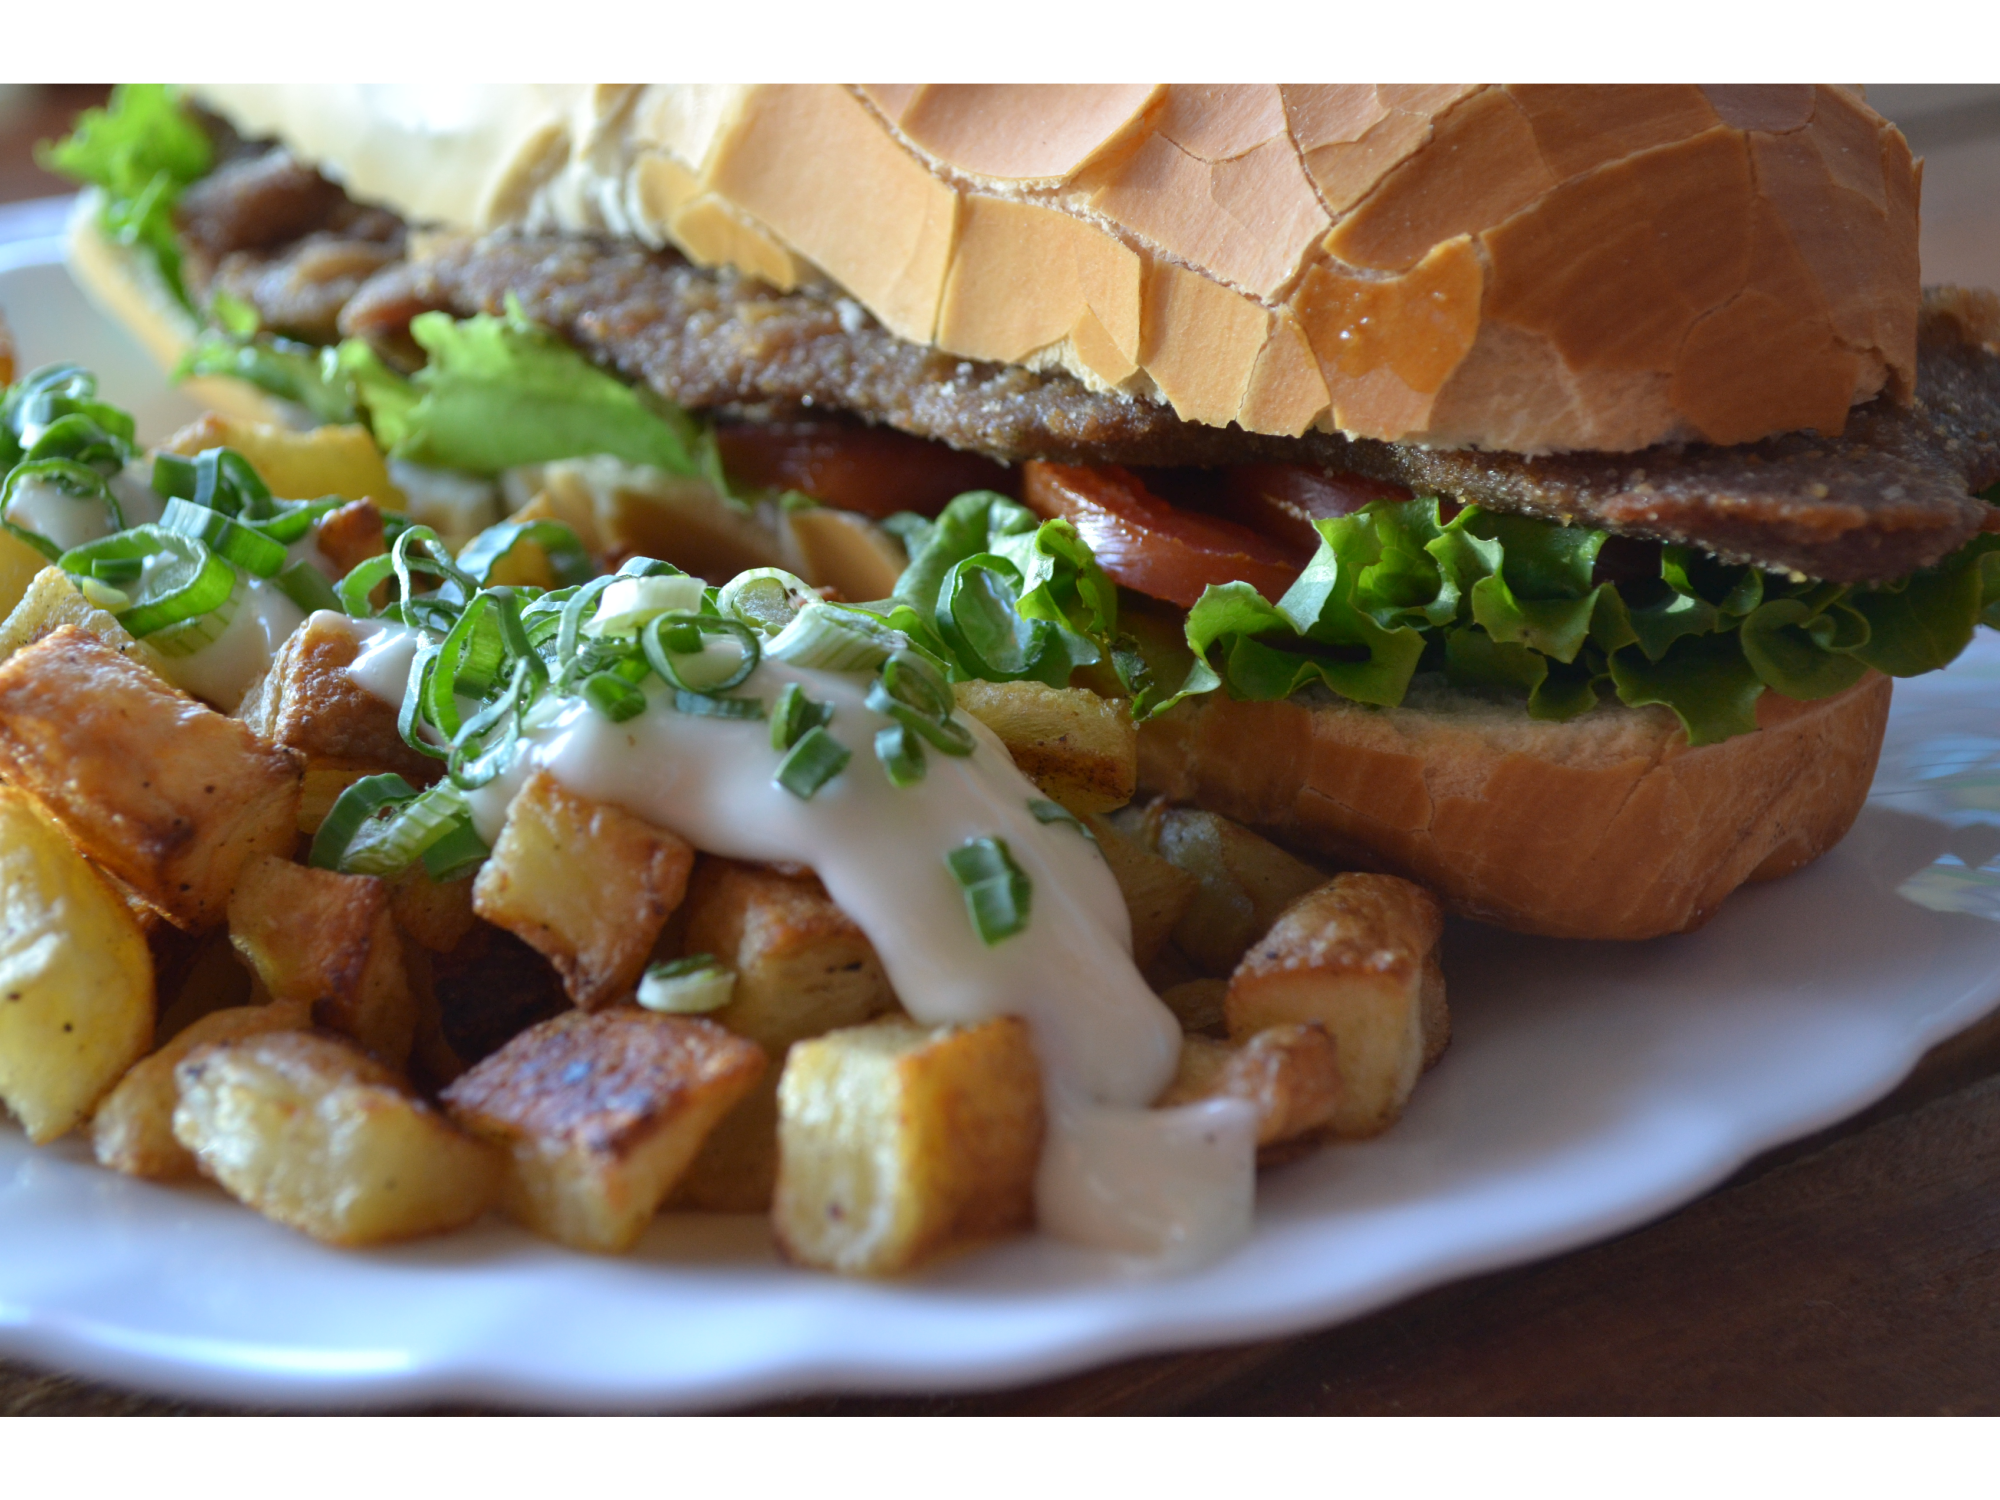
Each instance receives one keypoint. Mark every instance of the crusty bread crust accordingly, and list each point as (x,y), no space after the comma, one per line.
(1609,826)
(1528,268)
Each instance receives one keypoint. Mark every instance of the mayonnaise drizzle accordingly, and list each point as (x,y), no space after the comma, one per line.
(1165,1184)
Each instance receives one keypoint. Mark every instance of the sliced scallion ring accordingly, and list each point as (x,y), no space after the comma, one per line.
(996,892)
(711,706)
(248,549)
(1045,811)
(690,986)
(306,586)
(766,599)
(182,579)
(943,731)
(810,764)
(832,638)
(793,714)
(674,644)
(361,801)
(186,637)
(901,754)
(614,697)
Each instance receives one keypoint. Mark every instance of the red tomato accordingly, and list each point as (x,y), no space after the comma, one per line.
(874,470)
(1282,501)
(1148,545)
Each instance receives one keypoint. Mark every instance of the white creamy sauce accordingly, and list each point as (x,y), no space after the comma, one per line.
(222,671)
(141,503)
(1174,1184)
(54,513)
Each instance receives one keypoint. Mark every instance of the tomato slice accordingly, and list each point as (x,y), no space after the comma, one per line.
(1281,501)
(1148,545)
(874,470)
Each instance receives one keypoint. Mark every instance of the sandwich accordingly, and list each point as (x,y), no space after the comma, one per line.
(794,498)
(1529,490)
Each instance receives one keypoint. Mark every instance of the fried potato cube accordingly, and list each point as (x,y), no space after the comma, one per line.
(846,552)
(170,796)
(802,968)
(1079,748)
(584,883)
(899,1143)
(1290,1073)
(133,1129)
(328,940)
(309,1130)
(330,460)
(436,917)
(619,510)
(349,536)
(1359,956)
(20,564)
(599,1114)
(307,702)
(76,976)
(1156,890)
(52,601)
(1244,882)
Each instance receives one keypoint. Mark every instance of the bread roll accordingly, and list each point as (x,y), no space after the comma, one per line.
(1530,268)
(1608,826)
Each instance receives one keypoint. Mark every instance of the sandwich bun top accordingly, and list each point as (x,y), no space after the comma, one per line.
(1529,268)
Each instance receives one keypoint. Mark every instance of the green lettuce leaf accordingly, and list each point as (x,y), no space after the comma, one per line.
(498,392)
(289,370)
(142,150)
(1509,606)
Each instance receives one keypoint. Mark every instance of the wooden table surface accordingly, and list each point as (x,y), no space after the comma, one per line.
(1856,1271)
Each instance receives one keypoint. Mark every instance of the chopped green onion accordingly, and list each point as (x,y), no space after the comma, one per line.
(811,763)
(356,805)
(630,602)
(901,754)
(306,586)
(614,697)
(996,892)
(186,637)
(103,595)
(673,645)
(1046,811)
(688,986)
(182,580)
(219,479)
(793,714)
(766,599)
(835,638)
(395,835)
(117,571)
(712,706)
(912,680)
(457,853)
(943,731)
(249,550)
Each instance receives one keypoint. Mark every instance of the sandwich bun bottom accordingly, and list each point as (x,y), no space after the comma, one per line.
(1608,826)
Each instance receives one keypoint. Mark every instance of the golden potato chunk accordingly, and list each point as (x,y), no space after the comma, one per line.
(19,566)
(1244,882)
(348,537)
(1156,891)
(328,460)
(599,1114)
(1079,748)
(133,1129)
(846,552)
(899,1143)
(309,1130)
(1359,956)
(170,796)
(618,510)
(1290,1073)
(76,977)
(307,702)
(53,601)
(328,940)
(802,968)
(587,885)
(437,917)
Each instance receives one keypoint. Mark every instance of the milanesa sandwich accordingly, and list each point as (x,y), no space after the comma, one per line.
(1529,490)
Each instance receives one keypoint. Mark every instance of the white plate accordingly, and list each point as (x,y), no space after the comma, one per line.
(1590,1087)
